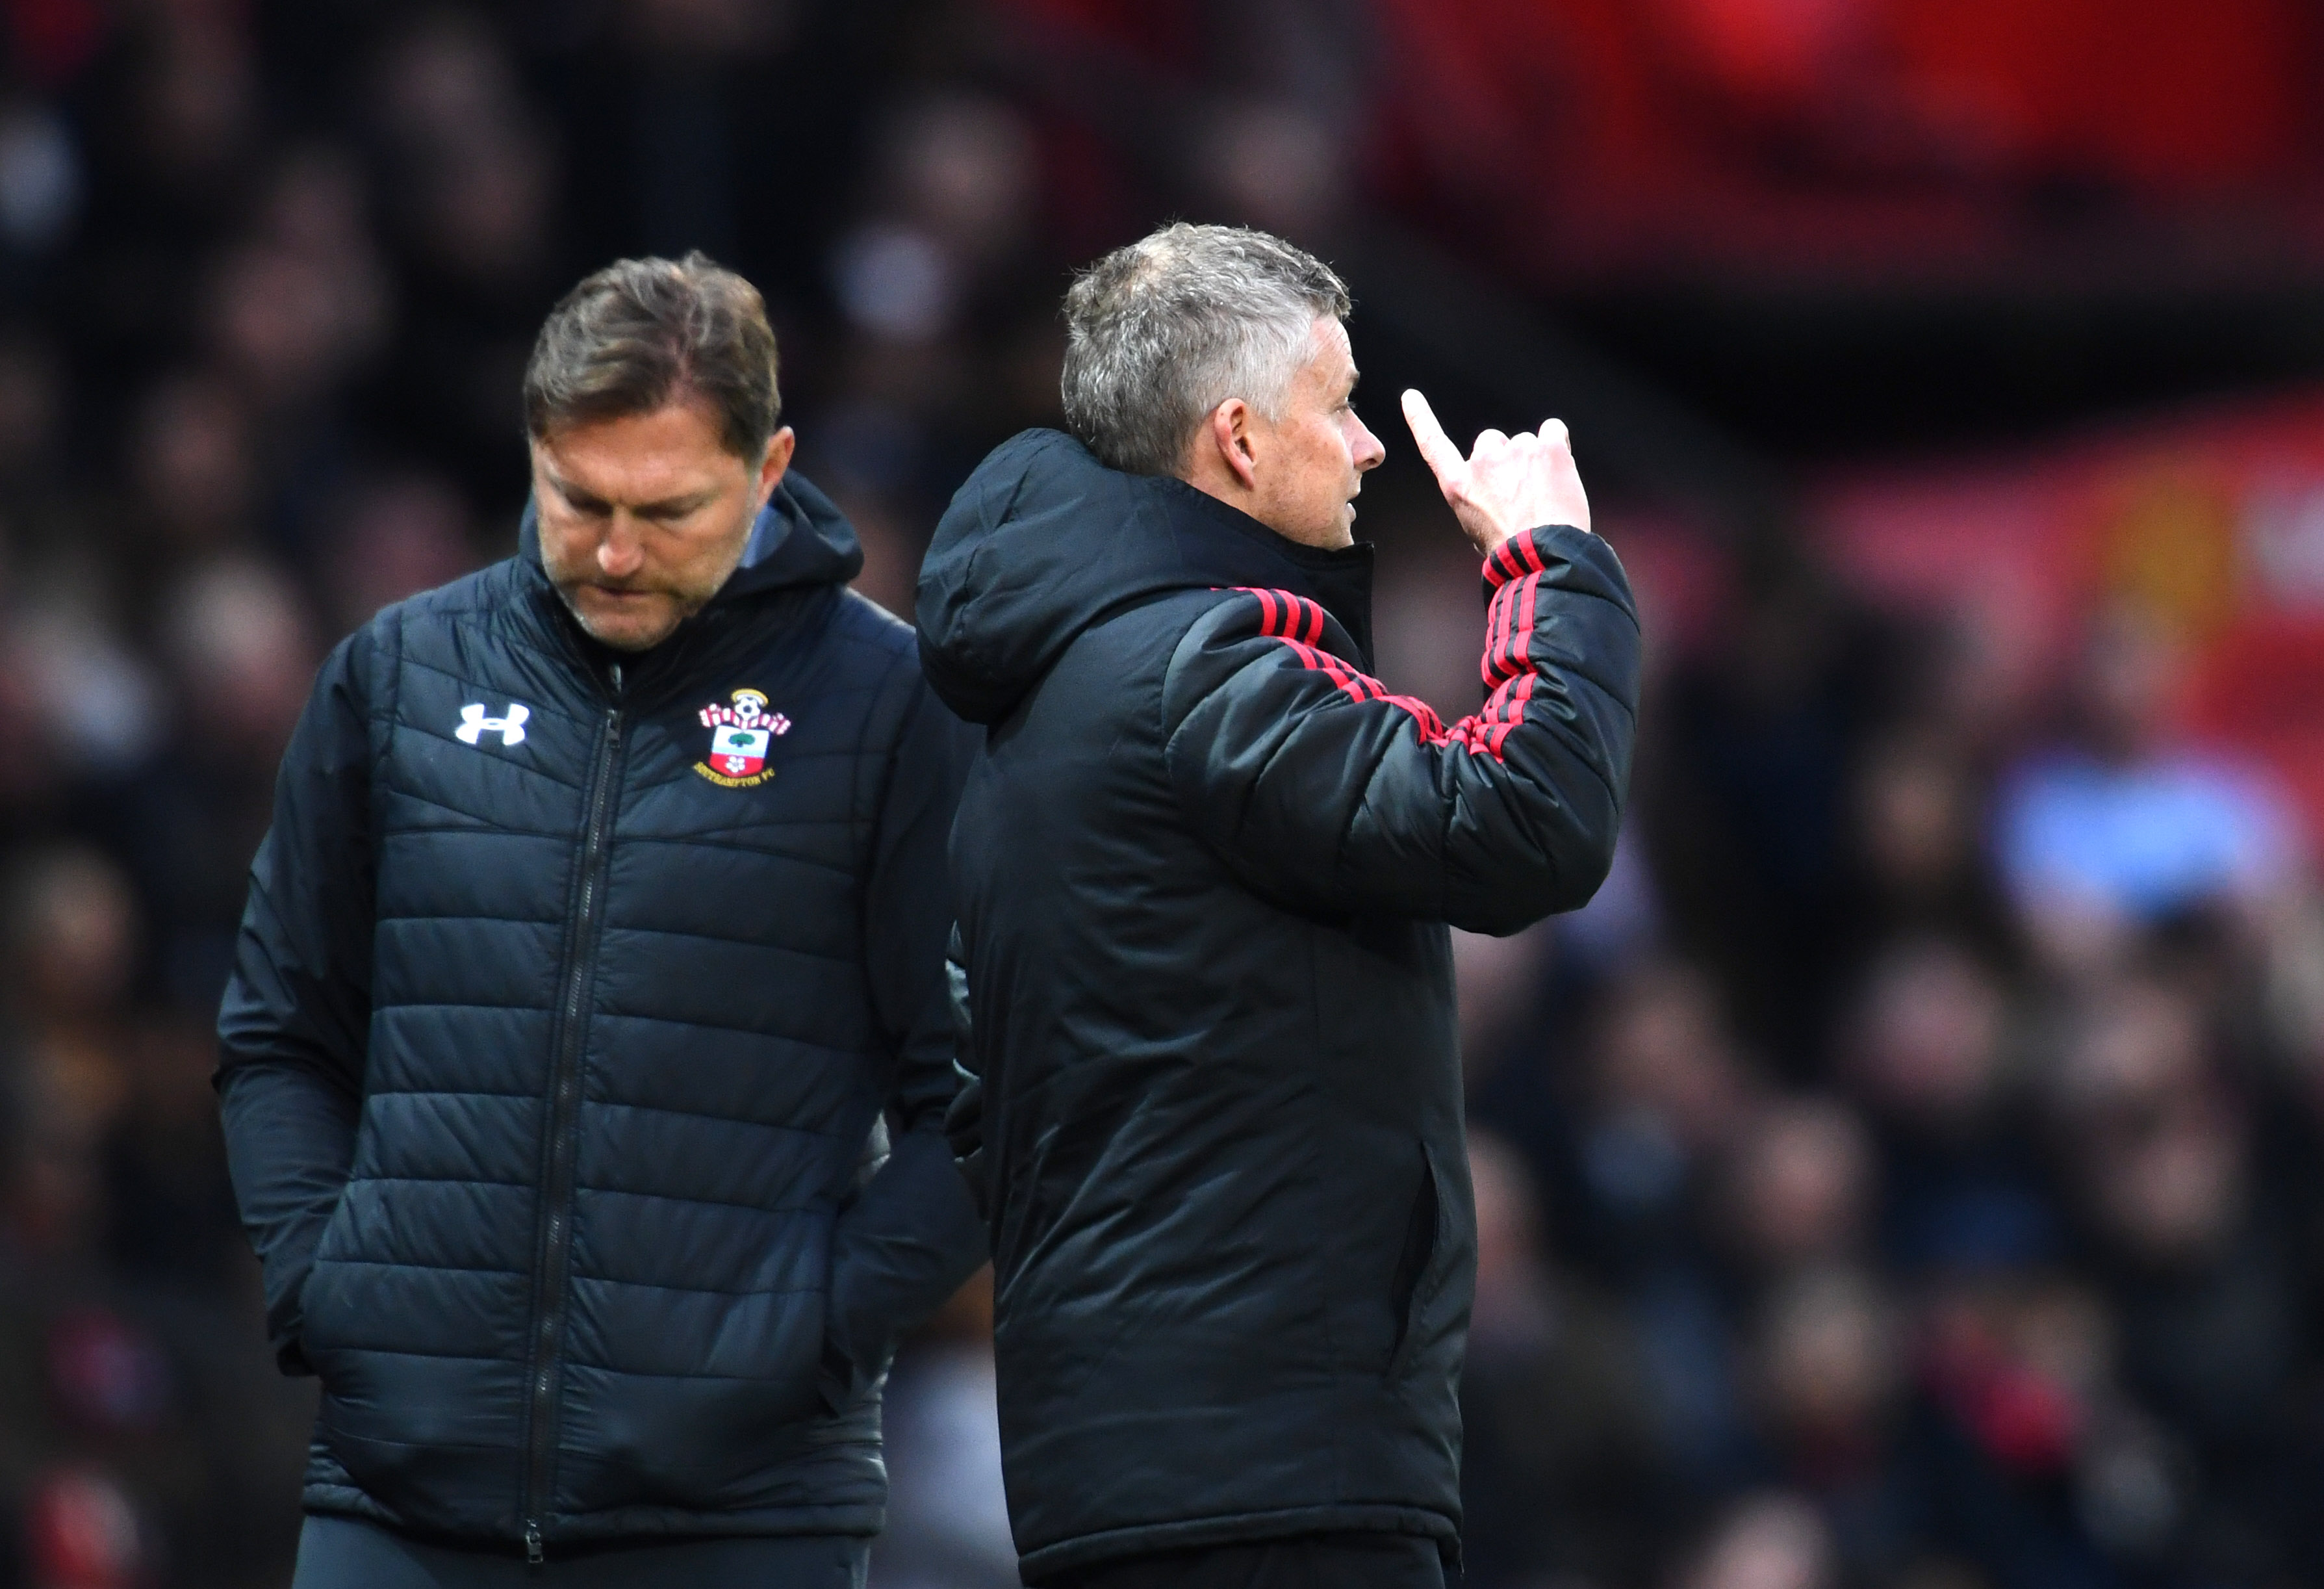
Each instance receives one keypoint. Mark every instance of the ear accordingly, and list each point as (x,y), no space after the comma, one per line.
(1231,432)
(778,459)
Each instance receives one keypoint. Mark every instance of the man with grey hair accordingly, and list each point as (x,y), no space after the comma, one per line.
(1204,866)
(585,1054)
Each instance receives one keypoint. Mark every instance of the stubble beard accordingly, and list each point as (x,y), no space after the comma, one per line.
(679,610)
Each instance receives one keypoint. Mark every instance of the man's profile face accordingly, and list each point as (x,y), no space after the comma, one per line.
(1309,464)
(643,518)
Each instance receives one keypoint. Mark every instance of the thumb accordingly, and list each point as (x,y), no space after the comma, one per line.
(1436,449)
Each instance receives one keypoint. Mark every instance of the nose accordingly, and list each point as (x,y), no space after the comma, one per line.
(1364,447)
(620,552)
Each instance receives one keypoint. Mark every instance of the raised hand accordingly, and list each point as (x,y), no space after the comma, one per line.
(1507,484)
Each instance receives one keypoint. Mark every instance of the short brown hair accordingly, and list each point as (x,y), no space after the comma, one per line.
(643,333)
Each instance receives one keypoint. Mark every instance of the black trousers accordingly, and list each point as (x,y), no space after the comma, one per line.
(1306,1561)
(341,1553)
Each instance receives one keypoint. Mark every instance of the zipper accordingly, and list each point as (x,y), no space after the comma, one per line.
(554,1258)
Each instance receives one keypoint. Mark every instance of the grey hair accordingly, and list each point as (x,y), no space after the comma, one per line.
(1161,332)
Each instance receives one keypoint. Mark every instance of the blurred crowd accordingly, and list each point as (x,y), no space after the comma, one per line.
(1904,1173)
(1900,1177)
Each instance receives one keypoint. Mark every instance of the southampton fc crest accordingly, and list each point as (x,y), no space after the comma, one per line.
(740,734)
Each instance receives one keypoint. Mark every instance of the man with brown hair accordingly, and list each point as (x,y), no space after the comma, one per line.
(584,1055)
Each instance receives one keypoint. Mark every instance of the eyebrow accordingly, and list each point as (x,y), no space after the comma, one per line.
(667,507)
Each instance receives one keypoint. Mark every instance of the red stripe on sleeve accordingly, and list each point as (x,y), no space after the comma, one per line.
(1297,617)
(1330,666)
(1520,695)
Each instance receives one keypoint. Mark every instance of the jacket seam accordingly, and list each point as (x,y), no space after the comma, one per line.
(809,1131)
(696,1021)
(607,1280)
(686,1198)
(717,937)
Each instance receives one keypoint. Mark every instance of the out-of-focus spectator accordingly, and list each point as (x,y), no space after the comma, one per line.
(1829,1375)
(1666,1087)
(1562,1473)
(1747,804)
(1927,1052)
(1667,1090)
(71,938)
(1923,866)
(1799,1189)
(395,537)
(467,173)
(1769,1541)
(240,646)
(2119,826)
(192,462)
(2206,1311)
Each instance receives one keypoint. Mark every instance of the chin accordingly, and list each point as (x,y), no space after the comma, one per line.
(628,640)
(635,637)
(626,631)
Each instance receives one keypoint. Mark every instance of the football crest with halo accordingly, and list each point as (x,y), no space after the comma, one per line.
(740,731)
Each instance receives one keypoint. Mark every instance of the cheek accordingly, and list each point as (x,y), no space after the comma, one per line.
(1337,459)
(561,546)
(702,558)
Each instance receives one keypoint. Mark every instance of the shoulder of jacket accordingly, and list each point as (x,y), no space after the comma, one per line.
(873,649)
(1236,615)
(486,590)
(471,598)
(860,622)
(873,658)
(1168,617)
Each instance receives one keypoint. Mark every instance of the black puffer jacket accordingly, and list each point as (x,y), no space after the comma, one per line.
(558,1046)
(1204,867)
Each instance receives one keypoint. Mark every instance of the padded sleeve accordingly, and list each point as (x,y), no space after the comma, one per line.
(1327,792)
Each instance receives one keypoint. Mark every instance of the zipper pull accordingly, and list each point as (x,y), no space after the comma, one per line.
(533,1552)
(614,670)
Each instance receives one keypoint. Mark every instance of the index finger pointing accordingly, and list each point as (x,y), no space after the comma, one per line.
(1436,449)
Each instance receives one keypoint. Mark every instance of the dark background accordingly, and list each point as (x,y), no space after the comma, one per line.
(1903,1175)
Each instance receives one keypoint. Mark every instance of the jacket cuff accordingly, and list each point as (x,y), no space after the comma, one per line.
(1524,553)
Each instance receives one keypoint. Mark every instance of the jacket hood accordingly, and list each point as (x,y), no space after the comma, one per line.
(801,539)
(1043,542)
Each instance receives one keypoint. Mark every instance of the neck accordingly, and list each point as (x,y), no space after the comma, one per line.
(1223,484)
(1211,477)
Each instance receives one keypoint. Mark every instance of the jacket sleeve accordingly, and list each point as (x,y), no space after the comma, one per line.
(912,1234)
(1328,793)
(292,1027)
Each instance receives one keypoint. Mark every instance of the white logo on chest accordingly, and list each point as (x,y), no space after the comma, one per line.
(475,724)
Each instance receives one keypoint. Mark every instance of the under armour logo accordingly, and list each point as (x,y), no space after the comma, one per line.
(475,724)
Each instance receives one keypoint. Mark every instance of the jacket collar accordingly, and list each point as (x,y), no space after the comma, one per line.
(1340,579)
(1043,541)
